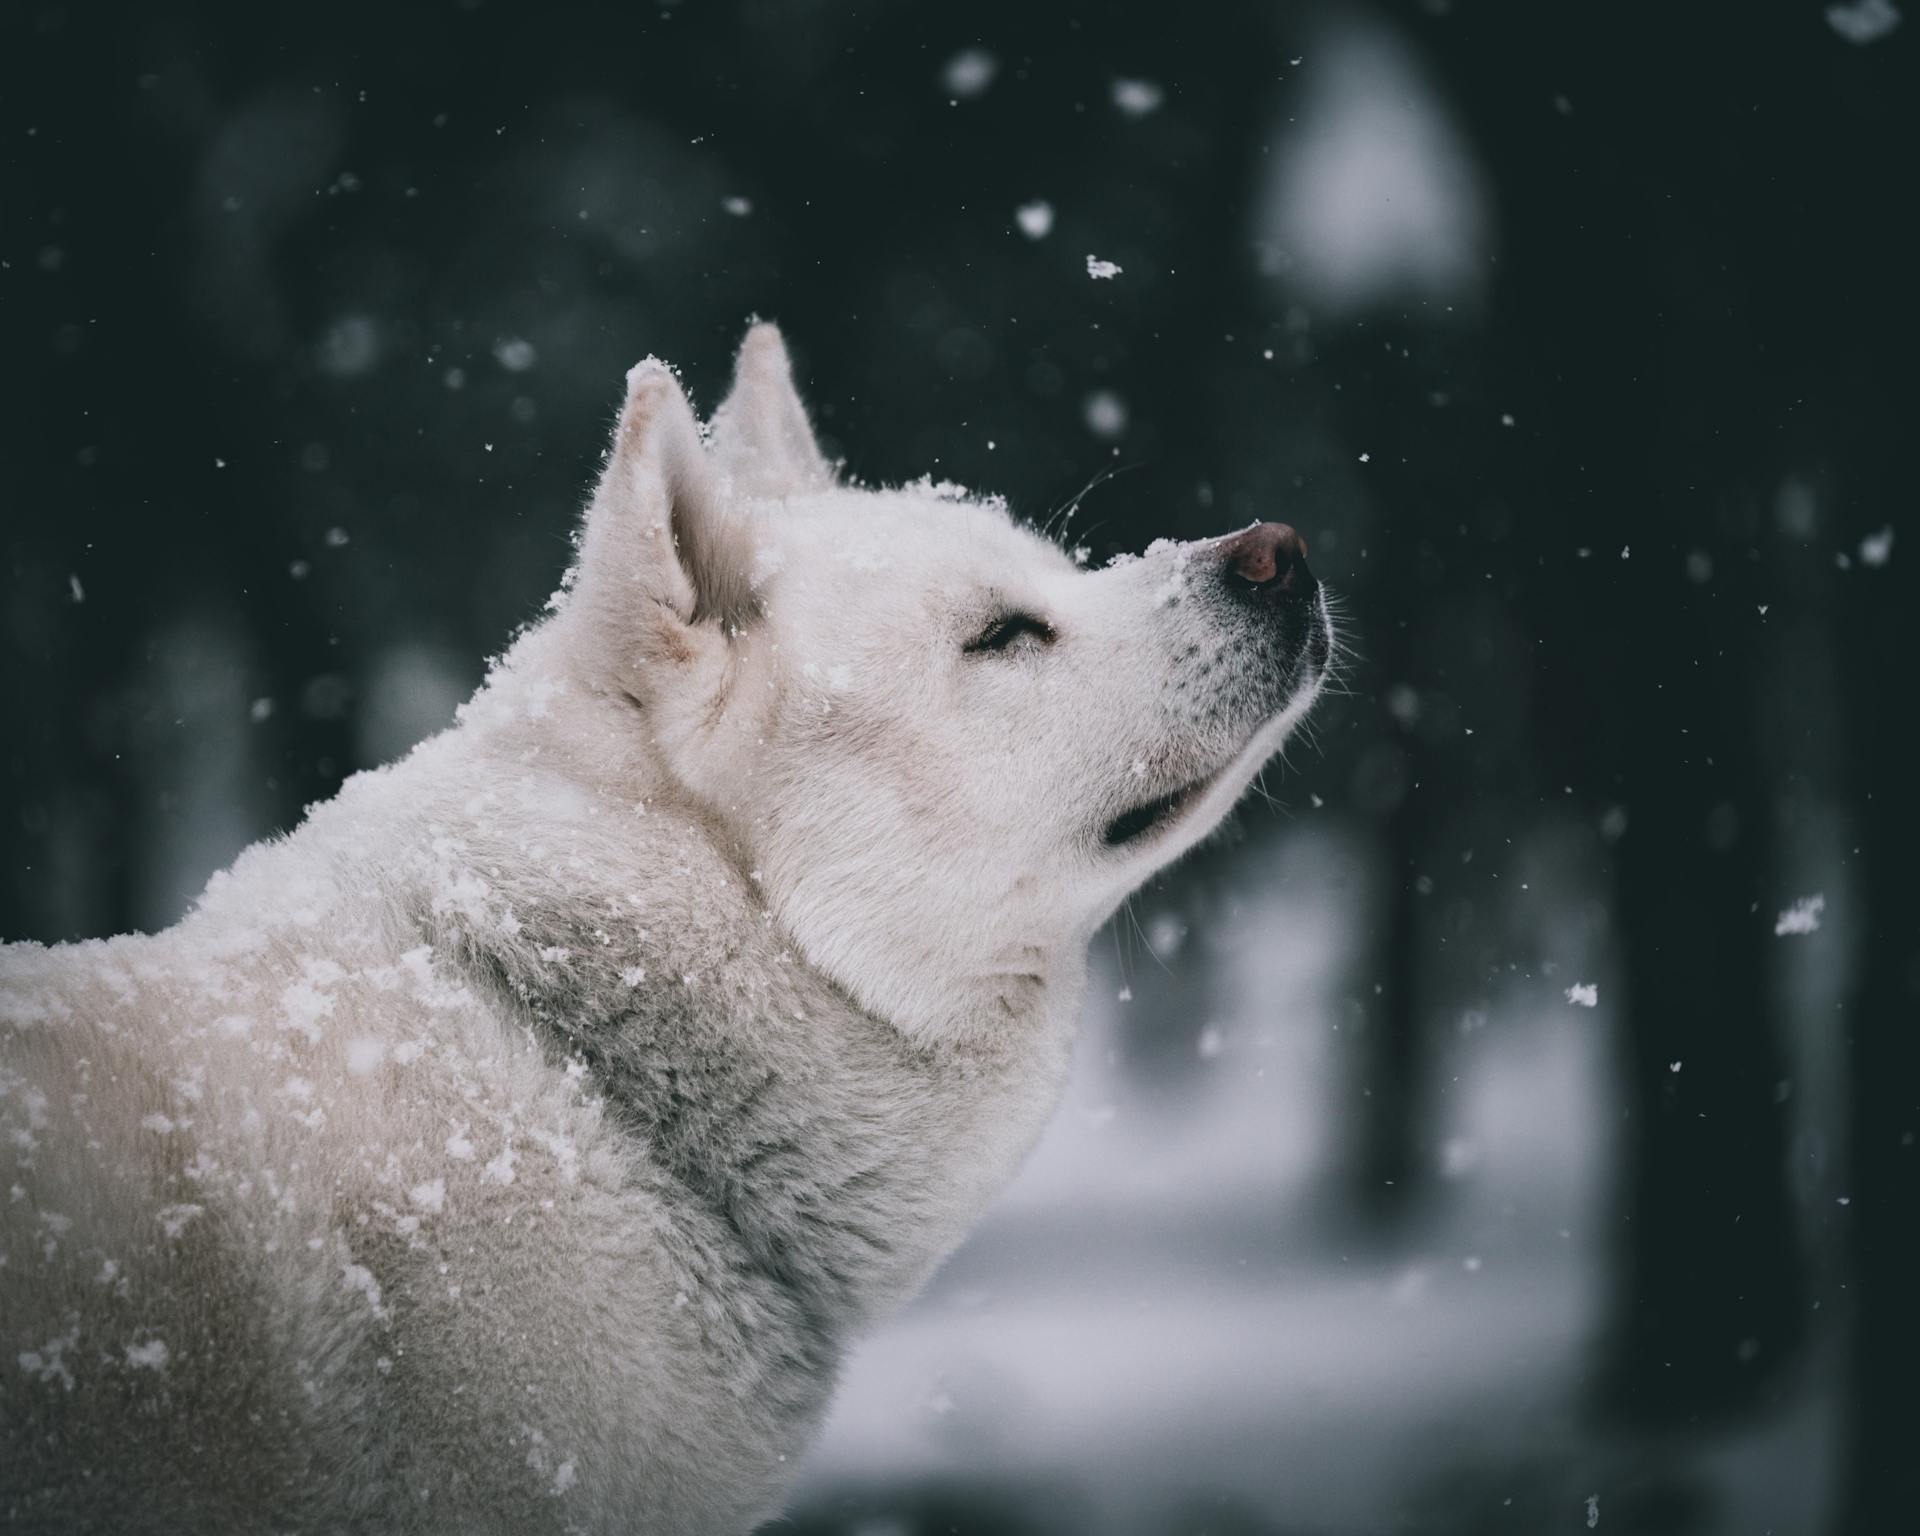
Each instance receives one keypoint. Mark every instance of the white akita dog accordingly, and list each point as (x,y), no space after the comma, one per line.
(519,1144)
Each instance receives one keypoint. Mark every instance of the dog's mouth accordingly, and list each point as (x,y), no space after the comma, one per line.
(1152,817)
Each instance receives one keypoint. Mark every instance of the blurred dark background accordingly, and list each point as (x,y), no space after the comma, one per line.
(1513,1128)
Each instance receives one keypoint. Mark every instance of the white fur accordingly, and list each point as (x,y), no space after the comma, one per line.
(518,1144)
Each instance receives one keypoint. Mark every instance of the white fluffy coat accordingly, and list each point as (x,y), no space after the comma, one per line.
(519,1144)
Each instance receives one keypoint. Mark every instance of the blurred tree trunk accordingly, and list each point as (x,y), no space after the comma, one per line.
(1863,361)
(1394,1063)
(1373,402)
(1638,392)
(1711,1289)
(1883,1020)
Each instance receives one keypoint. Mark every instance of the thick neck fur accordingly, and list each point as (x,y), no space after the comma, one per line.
(843,1156)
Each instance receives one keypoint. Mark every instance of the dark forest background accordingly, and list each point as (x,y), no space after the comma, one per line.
(1576,338)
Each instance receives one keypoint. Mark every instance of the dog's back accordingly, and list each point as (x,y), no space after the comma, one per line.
(222,1310)
(131,1292)
(304,1226)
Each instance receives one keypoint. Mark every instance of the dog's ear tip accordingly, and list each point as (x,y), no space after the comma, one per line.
(649,376)
(655,519)
(655,401)
(760,433)
(763,339)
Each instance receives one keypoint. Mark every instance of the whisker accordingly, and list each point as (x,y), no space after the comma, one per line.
(1134,917)
(1060,520)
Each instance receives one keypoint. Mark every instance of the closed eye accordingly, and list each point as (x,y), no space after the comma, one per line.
(1010,629)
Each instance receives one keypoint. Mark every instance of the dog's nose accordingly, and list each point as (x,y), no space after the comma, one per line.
(1269,561)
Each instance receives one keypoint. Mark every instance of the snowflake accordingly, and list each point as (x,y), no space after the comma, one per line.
(1137,98)
(1035,219)
(1802,917)
(1863,21)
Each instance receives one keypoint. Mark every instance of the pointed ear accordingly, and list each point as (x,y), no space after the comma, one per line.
(659,552)
(761,440)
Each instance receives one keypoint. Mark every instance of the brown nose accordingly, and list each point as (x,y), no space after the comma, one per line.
(1268,560)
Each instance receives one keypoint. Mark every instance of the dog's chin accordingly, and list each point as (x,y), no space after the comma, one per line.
(1176,819)
(1169,823)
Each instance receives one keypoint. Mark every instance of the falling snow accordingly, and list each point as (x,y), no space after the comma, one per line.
(1801,918)
(969,73)
(1137,98)
(515,354)
(150,1356)
(1035,219)
(1106,414)
(1863,21)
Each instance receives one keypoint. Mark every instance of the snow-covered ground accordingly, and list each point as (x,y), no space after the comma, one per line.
(1159,1328)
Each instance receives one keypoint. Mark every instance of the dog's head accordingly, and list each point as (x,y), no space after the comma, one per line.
(947,748)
